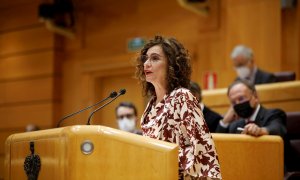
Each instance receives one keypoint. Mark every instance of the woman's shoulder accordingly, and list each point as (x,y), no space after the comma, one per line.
(183,96)
(182,92)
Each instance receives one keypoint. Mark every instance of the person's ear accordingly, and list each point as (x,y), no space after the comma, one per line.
(251,63)
(255,97)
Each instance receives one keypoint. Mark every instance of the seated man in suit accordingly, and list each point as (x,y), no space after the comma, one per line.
(248,116)
(211,118)
(244,65)
(126,114)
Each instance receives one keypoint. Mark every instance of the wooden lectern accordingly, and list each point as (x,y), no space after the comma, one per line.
(89,152)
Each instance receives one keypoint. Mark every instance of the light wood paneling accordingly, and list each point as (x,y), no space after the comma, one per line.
(255,24)
(105,85)
(290,60)
(40,114)
(29,70)
(209,50)
(18,17)
(72,103)
(132,21)
(40,89)
(2,157)
(298,16)
(28,65)
(4,133)
(89,87)
(9,4)
(33,39)
(99,78)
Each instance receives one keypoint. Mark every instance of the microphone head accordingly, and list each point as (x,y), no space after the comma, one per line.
(122,91)
(113,94)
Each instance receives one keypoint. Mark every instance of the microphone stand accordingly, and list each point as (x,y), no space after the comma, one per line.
(122,91)
(112,95)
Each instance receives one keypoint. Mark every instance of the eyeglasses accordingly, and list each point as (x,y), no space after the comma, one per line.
(128,116)
(153,58)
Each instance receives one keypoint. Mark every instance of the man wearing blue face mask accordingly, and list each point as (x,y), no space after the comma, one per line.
(247,116)
(126,114)
(243,61)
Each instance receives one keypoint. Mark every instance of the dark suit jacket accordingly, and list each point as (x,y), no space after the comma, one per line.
(262,77)
(272,119)
(211,118)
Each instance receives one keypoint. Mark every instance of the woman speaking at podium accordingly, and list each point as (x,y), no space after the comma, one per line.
(173,113)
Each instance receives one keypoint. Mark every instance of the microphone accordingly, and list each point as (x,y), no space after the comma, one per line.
(112,95)
(121,92)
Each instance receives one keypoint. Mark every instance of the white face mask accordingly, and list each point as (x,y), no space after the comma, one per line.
(243,72)
(126,124)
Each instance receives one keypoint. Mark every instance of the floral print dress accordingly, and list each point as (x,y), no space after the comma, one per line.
(178,119)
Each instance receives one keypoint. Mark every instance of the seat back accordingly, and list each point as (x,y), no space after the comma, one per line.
(285,76)
(293,124)
(293,138)
(249,158)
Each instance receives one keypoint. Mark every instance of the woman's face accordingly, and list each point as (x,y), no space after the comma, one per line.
(155,66)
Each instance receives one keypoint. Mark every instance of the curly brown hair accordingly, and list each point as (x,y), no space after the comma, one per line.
(179,68)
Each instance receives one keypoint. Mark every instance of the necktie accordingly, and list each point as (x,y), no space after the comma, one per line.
(248,121)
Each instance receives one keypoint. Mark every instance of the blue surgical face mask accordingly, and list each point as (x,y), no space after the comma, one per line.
(127,124)
(243,72)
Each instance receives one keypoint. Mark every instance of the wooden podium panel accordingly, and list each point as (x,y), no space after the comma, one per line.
(116,155)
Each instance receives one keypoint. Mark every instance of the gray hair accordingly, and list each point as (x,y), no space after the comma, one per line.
(242,50)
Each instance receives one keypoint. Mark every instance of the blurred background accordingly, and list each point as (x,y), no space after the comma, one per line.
(59,56)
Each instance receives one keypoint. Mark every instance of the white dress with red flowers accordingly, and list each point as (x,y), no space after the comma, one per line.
(178,119)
